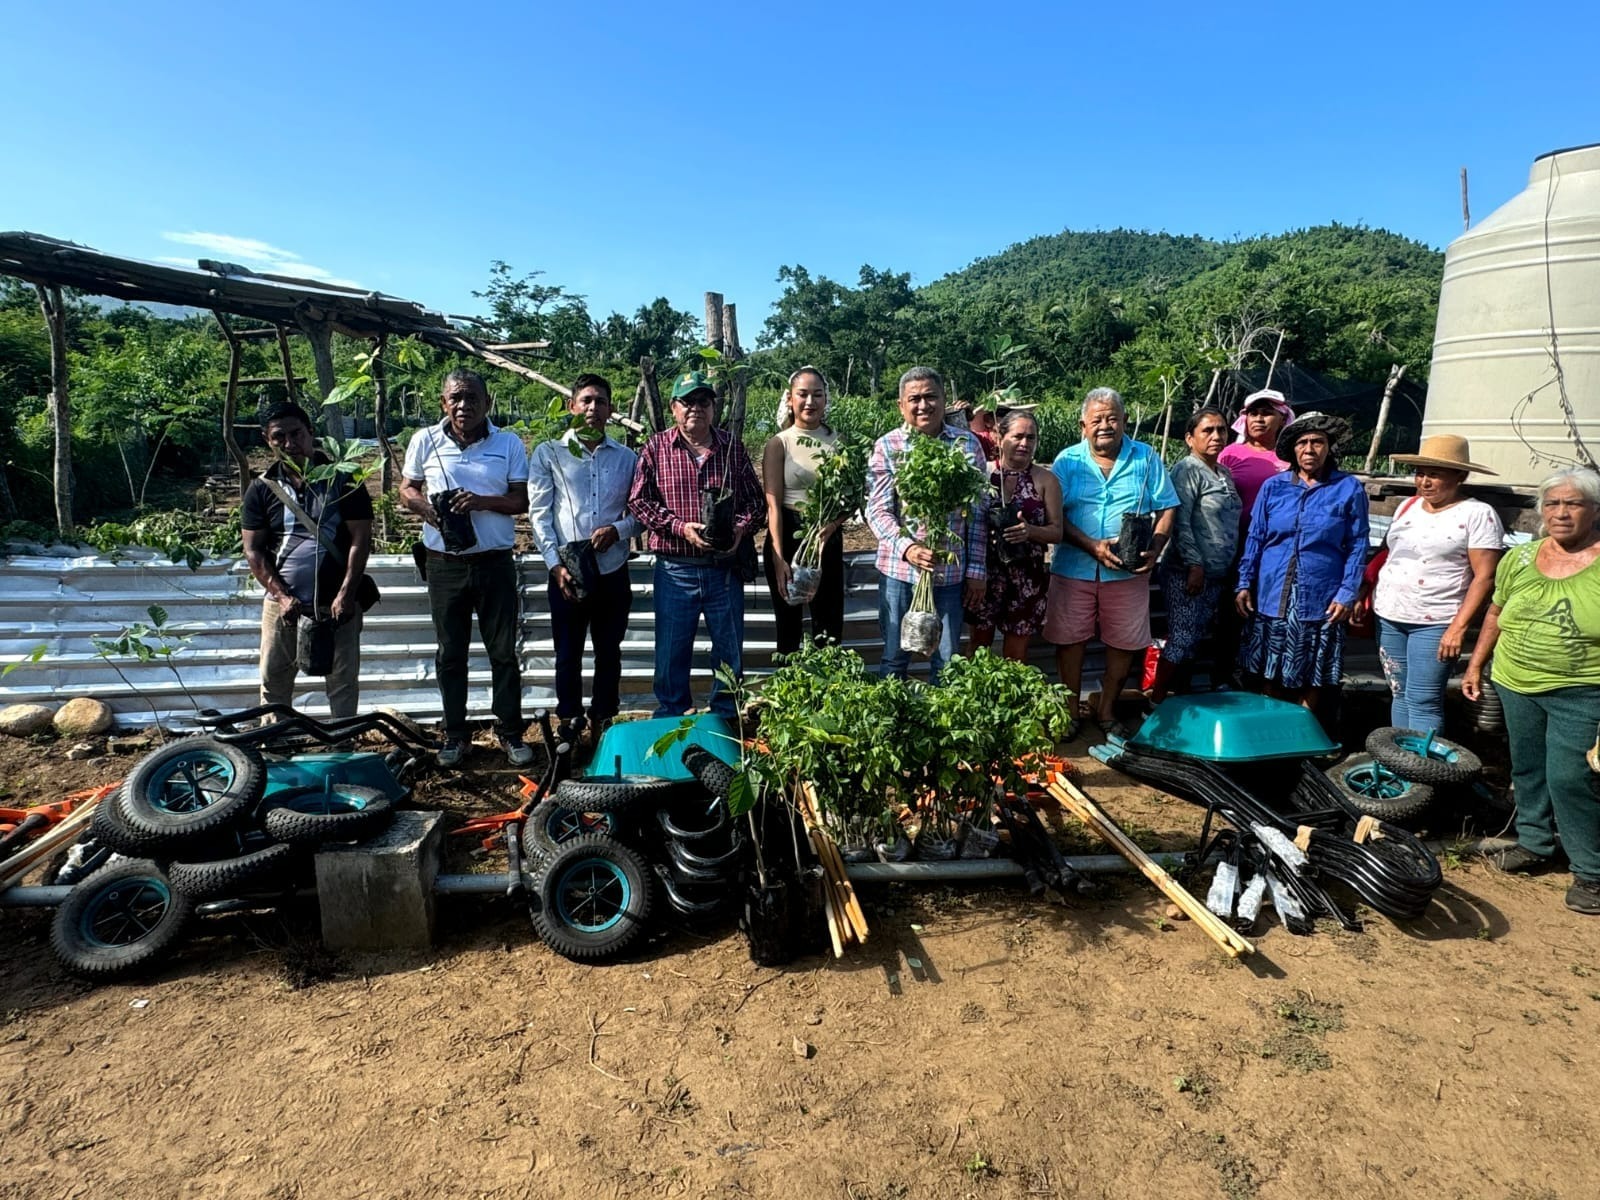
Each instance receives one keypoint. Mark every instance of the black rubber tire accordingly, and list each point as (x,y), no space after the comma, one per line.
(122,918)
(712,773)
(550,825)
(161,798)
(624,794)
(1446,764)
(721,864)
(1387,797)
(109,829)
(692,876)
(694,903)
(313,815)
(694,823)
(595,898)
(264,870)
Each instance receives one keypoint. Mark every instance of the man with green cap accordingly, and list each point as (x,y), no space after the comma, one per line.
(697,495)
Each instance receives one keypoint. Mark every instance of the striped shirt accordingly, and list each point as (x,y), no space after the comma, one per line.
(968,538)
(669,485)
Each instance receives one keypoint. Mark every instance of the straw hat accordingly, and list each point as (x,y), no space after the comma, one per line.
(1443,450)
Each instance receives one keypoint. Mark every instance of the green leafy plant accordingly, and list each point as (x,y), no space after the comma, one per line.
(146,643)
(182,537)
(837,495)
(32,657)
(934,481)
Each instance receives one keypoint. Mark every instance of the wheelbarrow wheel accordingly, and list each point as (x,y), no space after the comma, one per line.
(622,793)
(714,775)
(265,870)
(1423,758)
(1377,791)
(123,917)
(311,816)
(595,898)
(551,825)
(192,787)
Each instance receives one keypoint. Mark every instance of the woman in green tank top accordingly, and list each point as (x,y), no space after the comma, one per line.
(1543,629)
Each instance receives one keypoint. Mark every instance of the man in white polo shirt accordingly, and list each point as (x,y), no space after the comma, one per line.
(478,475)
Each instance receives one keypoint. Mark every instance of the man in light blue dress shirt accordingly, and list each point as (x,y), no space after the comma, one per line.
(578,497)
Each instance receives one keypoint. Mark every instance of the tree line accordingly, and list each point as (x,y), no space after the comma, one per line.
(1160,317)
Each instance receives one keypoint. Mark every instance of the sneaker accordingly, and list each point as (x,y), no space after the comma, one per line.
(1584,896)
(1518,860)
(518,752)
(454,750)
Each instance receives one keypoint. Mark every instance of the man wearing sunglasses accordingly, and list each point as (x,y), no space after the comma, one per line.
(696,493)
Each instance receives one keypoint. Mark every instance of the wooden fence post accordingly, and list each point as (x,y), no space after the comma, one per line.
(55,317)
(230,401)
(734,354)
(652,393)
(380,421)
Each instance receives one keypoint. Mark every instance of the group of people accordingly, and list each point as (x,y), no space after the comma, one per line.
(1259,545)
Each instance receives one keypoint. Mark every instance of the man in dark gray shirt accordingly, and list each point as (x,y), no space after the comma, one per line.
(305,570)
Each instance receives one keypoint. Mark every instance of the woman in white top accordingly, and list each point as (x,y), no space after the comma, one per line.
(1443,550)
(788,469)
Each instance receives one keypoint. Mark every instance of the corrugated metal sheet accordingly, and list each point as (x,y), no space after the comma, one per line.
(64,603)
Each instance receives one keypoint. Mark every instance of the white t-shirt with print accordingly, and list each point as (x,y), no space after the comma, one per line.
(1427,574)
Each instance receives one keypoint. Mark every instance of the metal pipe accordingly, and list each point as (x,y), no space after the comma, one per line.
(476,885)
(989,868)
(34,897)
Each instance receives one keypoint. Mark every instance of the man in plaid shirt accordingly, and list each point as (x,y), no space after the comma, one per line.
(904,552)
(696,541)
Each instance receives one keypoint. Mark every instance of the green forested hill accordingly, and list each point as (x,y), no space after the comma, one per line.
(1062,263)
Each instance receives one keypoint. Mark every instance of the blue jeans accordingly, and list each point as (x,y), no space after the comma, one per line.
(894,601)
(1555,791)
(1410,657)
(685,591)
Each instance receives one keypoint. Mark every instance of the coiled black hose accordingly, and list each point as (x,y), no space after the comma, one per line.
(1390,870)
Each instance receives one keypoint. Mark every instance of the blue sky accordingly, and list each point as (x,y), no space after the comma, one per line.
(630,151)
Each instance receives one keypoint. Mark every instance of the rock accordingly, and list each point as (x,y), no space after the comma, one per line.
(802,1048)
(25,720)
(128,745)
(83,718)
(83,750)
(1174,913)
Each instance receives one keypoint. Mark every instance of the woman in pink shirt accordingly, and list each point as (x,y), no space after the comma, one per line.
(1253,458)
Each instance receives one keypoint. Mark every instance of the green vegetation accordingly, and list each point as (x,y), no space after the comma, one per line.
(1151,314)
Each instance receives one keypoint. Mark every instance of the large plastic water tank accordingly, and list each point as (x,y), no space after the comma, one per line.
(1521,293)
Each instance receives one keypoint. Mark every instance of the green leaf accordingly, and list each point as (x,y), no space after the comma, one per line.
(32,657)
(741,795)
(158,615)
(672,737)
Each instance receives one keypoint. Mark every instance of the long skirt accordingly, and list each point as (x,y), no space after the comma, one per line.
(1291,652)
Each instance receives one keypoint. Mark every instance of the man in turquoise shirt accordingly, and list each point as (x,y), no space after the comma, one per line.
(1104,476)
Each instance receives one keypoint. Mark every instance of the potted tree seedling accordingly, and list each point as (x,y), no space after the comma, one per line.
(837,495)
(934,482)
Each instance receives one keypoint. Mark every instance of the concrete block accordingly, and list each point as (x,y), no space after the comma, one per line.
(378,894)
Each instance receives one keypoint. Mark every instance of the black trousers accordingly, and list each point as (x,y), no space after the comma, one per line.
(458,585)
(827,609)
(603,617)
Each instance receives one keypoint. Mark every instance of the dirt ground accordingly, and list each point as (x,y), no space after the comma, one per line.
(1038,1051)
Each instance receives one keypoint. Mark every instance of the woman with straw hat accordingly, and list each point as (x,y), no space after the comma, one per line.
(1443,550)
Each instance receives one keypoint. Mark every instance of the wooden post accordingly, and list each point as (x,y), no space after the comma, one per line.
(714,321)
(290,388)
(1166,418)
(55,317)
(380,421)
(230,401)
(717,339)
(1396,374)
(652,393)
(320,335)
(734,354)
(1466,213)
